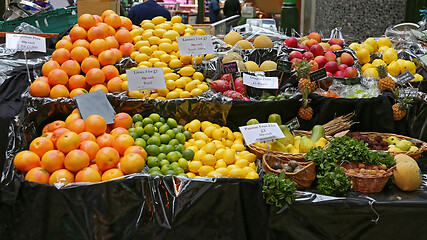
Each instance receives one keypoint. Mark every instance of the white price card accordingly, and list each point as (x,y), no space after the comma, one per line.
(195,45)
(261,132)
(145,78)
(260,81)
(22,42)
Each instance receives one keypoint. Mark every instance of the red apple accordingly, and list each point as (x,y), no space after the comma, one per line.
(295,54)
(321,61)
(336,41)
(311,42)
(316,36)
(302,46)
(317,50)
(308,55)
(331,67)
(342,67)
(330,56)
(291,42)
(335,47)
(339,74)
(350,72)
(347,59)
(329,74)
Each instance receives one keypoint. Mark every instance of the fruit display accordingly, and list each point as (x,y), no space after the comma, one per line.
(84,60)
(226,84)
(261,41)
(314,38)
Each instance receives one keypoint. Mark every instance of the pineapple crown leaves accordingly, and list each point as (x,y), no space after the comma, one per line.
(302,67)
(305,100)
(404,102)
(382,71)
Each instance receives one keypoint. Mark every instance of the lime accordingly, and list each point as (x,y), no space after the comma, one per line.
(156,134)
(172,123)
(174,165)
(168,148)
(156,174)
(133,134)
(164,169)
(132,129)
(158,125)
(138,124)
(137,118)
(162,119)
(180,137)
(153,162)
(188,154)
(139,131)
(140,142)
(155,117)
(187,134)
(154,141)
(154,169)
(173,142)
(164,162)
(162,156)
(180,147)
(183,163)
(173,156)
(171,133)
(145,137)
(147,121)
(178,170)
(182,175)
(176,130)
(163,128)
(152,150)
(181,128)
(149,129)
(164,138)
(170,173)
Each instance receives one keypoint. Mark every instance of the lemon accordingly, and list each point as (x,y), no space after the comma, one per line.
(367,47)
(191,175)
(185,94)
(194,126)
(209,56)
(219,153)
(167,70)
(250,157)
(141,57)
(203,86)
(180,83)
(217,134)
(139,44)
(200,136)
(190,31)
(164,26)
(133,55)
(383,49)
(205,170)
(252,175)
(198,60)
(185,59)
(158,20)
(153,40)
(124,77)
(194,166)
(208,159)
(154,48)
(196,92)
(354,46)
(170,84)
(179,28)
(166,47)
(137,39)
(384,42)
(158,53)
(222,170)
(238,147)
(390,55)
(165,40)
(146,35)
(371,41)
(135,32)
(200,32)
(171,76)
(154,95)
(366,66)
(238,135)
(363,55)
(176,19)
(146,63)
(194,148)
(178,90)
(198,155)
(210,148)
(237,172)
(198,76)
(218,144)
(408,66)
(175,63)
(146,50)
(163,92)
(371,72)
(148,25)
(378,62)
(242,163)
(159,32)
(160,64)
(161,98)
(213,174)
(175,46)
(418,77)
(171,34)
(248,169)
(124,86)
(253,166)
(187,79)
(153,60)
(229,156)
(172,95)
(190,86)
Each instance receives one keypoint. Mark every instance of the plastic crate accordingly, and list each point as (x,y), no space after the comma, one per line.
(52,21)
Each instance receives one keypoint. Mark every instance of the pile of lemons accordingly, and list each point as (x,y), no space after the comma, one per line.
(218,152)
(395,66)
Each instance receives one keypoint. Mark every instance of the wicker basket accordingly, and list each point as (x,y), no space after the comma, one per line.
(414,154)
(303,177)
(367,183)
(299,157)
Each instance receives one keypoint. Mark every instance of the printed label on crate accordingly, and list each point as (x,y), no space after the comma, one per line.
(318,74)
(293,124)
(261,132)
(261,81)
(230,67)
(409,92)
(195,45)
(95,103)
(284,66)
(145,78)
(405,77)
(22,42)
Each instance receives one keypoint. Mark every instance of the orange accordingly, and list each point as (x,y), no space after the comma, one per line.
(107,158)
(90,147)
(113,20)
(57,76)
(110,71)
(126,23)
(71,118)
(112,42)
(105,27)
(106,13)
(95,167)
(77,33)
(132,163)
(118,54)
(97,18)
(43,79)
(114,84)
(64,44)
(68,141)
(53,160)
(71,67)
(123,36)
(77,126)
(57,134)
(26,160)
(77,81)
(77,91)
(122,142)
(86,21)
(39,89)
(76,160)
(105,140)
(38,175)
(127,49)
(95,124)
(59,91)
(97,87)
(89,63)
(87,136)
(137,149)
(95,76)
(123,120)
(61,55)
(48,135)
(75,110)
(96,33)
(41,145)
(88,175)
(111,31)
(97,46)
(79,54)
(66,38)
(113,173)
(56,125)
(45,129)
(61,176)
(49,66)
(117,131)
(81,43)
(107,57)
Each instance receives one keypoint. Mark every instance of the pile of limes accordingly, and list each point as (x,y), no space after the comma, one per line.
(163,140)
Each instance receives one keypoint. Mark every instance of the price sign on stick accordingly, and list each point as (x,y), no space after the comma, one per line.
(405,77)
(195,45)
(22,42)
(230,67)
(293,124)
(261,132)
(409,92)
(284,66)
(261,82)
(95,103)
(318,74)
(145,78)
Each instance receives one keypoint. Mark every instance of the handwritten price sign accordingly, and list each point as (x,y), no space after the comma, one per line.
(22,42)
(261,82)
(195,45)
(145,78)
(261,132)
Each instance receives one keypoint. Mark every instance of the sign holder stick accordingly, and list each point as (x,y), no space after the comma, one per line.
(280,81)
(26,64)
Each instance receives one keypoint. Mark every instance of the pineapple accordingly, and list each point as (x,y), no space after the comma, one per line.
(401,106)
(303,70)
(305,112)
(385,81)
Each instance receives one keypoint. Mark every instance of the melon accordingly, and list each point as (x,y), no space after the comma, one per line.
(245,44)
(263,41)
(232,56)
(252,66)
(268,65)
(232,38)
(407,175)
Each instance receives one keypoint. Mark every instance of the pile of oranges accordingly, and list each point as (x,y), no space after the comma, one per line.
(77,150)
(83,60)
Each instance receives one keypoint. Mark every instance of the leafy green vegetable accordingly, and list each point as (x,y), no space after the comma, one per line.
(277,190)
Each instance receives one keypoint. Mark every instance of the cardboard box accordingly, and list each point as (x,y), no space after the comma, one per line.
(97,6)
